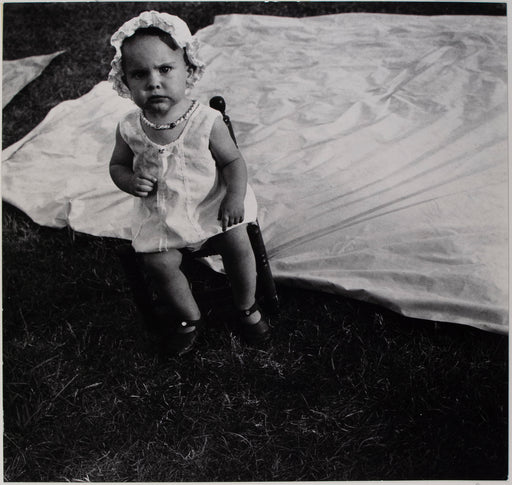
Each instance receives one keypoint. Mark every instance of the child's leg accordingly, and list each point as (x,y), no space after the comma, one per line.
(171,284)
(238,257)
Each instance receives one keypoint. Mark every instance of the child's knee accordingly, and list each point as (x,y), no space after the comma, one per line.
(236,243)
(163,263)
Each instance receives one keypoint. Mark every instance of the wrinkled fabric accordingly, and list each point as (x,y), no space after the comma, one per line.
(18,73)
(183,210)
(376,146)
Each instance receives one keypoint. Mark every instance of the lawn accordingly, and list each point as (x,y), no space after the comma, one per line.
(345,391)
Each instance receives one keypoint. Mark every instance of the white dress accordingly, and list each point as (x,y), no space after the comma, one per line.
(182,212)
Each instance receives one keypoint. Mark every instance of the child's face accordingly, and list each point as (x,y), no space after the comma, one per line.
(155,74)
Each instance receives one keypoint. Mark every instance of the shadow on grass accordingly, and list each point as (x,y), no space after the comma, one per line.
(346,390)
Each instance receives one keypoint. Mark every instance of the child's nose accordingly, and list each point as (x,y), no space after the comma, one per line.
(153,80)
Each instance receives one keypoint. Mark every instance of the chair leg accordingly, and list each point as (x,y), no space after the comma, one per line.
(265,283)
(138,285)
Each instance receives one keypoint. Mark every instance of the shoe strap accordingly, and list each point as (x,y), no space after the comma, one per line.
(246,313)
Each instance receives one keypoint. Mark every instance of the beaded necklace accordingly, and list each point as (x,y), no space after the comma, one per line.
(173,124)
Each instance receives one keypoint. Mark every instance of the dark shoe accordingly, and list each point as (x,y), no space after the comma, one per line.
(179,338)
(253,333)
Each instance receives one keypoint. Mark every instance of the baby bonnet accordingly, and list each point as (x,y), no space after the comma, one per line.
(170,24)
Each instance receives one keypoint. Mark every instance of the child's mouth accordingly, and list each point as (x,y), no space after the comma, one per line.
(156,99)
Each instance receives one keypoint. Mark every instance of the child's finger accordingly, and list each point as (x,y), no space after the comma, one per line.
(142,186)
(143,190)
(226,222)
(149,178)
(148,184)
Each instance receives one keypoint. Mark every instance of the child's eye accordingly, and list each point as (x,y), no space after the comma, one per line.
(165,69)
(137,74)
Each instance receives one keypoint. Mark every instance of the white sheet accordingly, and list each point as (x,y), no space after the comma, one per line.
(18,73)
(376,144)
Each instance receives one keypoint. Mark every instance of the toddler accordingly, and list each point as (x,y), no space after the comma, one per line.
(176,156)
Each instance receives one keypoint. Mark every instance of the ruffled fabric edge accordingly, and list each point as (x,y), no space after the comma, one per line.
(171,24)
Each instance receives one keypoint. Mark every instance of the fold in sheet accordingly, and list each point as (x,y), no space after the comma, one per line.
(376,145)
(20,72)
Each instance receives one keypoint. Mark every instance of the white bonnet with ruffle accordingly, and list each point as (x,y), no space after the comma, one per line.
(171,24)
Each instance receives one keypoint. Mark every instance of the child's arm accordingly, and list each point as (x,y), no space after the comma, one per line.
(122,174)
(234,172)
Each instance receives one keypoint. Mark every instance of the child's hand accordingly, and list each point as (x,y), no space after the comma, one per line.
(231,211)
(142,184)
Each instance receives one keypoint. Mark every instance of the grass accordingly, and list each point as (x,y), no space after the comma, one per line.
(346,390)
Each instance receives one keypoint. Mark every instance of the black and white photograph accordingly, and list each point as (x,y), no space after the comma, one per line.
(249,241)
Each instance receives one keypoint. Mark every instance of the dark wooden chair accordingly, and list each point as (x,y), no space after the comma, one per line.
(145,299)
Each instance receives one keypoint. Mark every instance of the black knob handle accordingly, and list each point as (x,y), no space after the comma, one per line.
(218,103)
